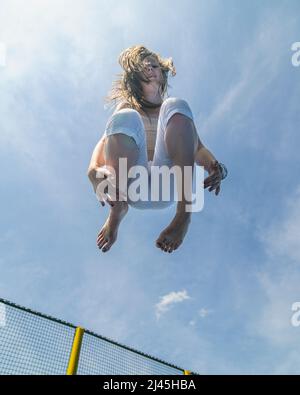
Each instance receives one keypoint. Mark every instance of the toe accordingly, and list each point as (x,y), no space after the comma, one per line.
(100,237)
(162,247)
(105,246)
(166,246)
(171,247)
(99,241)
(102,242)
(109,243)
(160,242)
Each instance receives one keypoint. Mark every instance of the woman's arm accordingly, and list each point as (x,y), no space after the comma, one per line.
(204,157)
(217,171)
(97,161)
(98,158)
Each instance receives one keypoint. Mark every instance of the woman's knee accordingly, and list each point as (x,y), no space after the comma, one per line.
(173,105)
(127,124)
(175,102)
(126,117)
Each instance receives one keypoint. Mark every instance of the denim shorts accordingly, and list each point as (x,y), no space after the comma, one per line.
(129,122)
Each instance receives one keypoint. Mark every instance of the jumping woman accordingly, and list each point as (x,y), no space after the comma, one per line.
(148,130)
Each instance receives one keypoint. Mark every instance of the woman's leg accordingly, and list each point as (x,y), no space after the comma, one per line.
(116,146)
(123,139)
(180,145)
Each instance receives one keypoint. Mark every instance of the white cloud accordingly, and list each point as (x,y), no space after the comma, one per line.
(167,301)
(203,313)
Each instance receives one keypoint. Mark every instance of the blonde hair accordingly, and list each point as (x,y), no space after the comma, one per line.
(128,87)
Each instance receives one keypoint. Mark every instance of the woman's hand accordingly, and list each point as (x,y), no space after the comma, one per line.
(214,179)
(97,175)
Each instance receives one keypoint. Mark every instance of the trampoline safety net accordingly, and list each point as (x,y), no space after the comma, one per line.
(32,343)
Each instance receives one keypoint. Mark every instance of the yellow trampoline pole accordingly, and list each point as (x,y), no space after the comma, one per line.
(75,352)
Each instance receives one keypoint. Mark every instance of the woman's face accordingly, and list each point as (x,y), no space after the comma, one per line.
(152,71)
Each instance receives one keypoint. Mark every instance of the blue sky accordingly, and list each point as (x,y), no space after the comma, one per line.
(222,302)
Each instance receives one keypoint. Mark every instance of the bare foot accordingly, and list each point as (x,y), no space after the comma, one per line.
(172,236)
(108,234)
